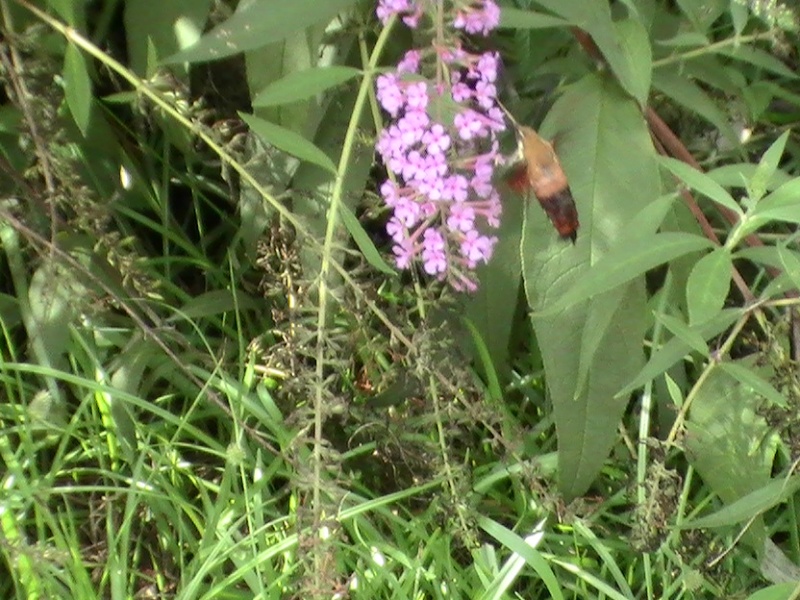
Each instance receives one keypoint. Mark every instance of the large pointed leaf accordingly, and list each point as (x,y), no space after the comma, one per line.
(610,162)
(637,55)
(78,87)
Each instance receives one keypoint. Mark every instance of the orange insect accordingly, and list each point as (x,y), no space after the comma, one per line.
(540,172)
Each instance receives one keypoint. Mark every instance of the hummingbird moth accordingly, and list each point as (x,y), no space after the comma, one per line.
(540,172)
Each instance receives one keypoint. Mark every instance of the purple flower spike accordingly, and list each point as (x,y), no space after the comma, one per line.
(440,192)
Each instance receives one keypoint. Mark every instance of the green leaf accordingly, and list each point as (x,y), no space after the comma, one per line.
(790,263)
(738,174)
(689,335)
(702,14)
(52,309)
(515,18)
(708,285)
(592,348)
(687,93)
(740,14)
(600,546)
(647,221)
(216,302)
(754,383)
(288,141)
(363,241)
(638,56)
(676,348)
(755,503)
(785,197)
(779,591)
(767,167)
(625,261)
(700,182)
(301,85)
(78,87)
(757,57)
(781,205)
(162,28)
(256,24)
(516,544)
(731,447)
(594,17)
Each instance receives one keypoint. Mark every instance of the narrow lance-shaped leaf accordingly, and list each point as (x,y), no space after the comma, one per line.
(700,182)
(708,285)
(288,141)
(754,503)
(304,84)
(766,168)
(678,347)
(78,87)
(629,259)
(256,24)
(687,93)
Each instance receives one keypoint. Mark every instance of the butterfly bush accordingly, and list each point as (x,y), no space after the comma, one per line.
(441,147)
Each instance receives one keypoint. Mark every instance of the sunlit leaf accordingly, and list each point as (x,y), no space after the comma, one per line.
(533,557)
(305,84)
(288,141)
(258,23)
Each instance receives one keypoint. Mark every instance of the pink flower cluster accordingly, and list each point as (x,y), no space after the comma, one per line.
(441,147)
